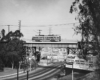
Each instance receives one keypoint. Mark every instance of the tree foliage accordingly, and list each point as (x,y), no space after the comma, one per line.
(11,48)
(3,32)
(89,23)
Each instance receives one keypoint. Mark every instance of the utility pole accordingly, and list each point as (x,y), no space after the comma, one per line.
(8,28)
(40,32)
(20,25)
(50,31)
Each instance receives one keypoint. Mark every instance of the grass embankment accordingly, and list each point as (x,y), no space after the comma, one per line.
(8,71)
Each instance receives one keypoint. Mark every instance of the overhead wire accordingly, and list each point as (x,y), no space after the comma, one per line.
(44,25)
(50,25)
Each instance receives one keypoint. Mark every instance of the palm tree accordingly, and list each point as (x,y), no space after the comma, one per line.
(3,32)
(3,35)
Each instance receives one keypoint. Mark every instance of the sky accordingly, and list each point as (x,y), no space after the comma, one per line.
(50,16)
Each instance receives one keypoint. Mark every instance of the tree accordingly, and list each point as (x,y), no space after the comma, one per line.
(17,34)
(12,49)
(89,26)
(2,55)
(3,35)
(11,57)
(12,35)
(15,50)
(3,32)
(89,17)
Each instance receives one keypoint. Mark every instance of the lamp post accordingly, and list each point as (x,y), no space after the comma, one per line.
(27,67)
(71,63)
(72,72)
(27,74)
(18,71)
(27,61)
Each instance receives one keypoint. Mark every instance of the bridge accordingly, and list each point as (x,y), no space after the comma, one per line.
(51,44)
(33,46)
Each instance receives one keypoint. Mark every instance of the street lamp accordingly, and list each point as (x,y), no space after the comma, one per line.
(27,67)
(17,70)
(27,74)
(71,63)
(72,71)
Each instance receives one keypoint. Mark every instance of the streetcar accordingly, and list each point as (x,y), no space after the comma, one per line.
(46,38)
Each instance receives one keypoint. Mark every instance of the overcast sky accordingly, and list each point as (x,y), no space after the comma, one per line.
(47,15)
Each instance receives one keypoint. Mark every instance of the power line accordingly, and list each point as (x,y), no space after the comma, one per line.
(8,27)
(42,25)
(50,25)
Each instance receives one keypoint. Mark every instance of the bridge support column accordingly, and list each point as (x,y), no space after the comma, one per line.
(67,50)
